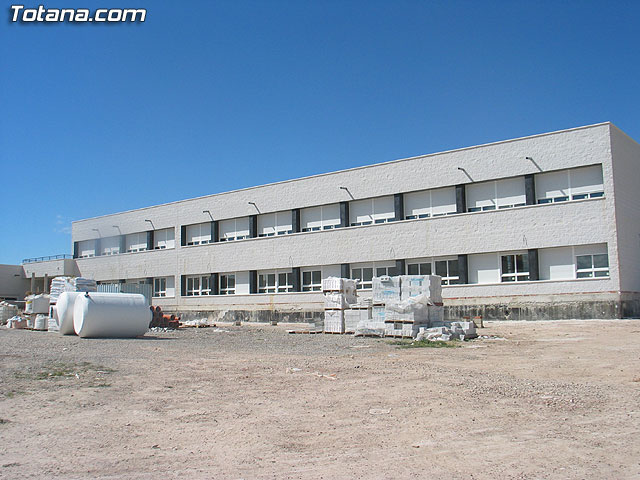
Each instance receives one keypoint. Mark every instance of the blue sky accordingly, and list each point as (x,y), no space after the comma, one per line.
(211,96)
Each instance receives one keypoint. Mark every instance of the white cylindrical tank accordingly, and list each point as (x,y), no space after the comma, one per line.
(111,315)
(65,304)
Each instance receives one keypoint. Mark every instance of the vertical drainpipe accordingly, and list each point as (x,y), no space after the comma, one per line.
(534,266)
(461,198)
(295,220)
(530,189)
(344,215)
(398,206)
(463,269)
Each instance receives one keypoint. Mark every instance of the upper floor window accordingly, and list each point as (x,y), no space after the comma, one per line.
(234,229)
(165,238)
(324,217)
(110,246)
(504,193)
(136,242)
(371,210)
(198,234)
(86,249)
(272,224)
(430,203)
(571,184)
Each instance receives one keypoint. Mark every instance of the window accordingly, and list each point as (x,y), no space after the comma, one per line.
(325,217)
(165,238)
(234,229)
(515,268)
(228,284)
(371,210)
(505,193)
(160,287)
(572,184)
(448,270)
(198,285)
(86,249)
(110,246)
(591,266)
(275,282)
(430,203)
(198,234)
(419,268)
(272,224)
(136,242)
(312,281)
(365,272)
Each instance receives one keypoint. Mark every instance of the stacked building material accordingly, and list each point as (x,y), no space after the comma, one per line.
(35,304)
(71,284)
(385,289)
(414,285)
(358,312)
(161,320)
(450,331)
(7,311)
(339,294)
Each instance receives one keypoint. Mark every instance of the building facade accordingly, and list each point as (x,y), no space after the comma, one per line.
(538,227)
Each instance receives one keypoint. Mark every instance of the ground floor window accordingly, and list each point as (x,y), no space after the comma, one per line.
(419,269)
(198,285)
(515,268)
(312,281)
(159,287)
(275,282)
(228,284)
(365,274)
(448,270)
(590,266)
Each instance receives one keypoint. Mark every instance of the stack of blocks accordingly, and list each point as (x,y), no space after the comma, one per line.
(339,294)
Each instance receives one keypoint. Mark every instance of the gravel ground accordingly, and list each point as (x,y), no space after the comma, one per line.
(542,400)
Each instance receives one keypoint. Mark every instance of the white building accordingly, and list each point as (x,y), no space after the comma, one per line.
(545,226)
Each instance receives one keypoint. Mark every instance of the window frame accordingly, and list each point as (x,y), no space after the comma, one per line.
(592,270)
(518,276)
(224,279)
(311,285)
(266,286)
(378,269)
(200,290)
(158,290)
(570,196)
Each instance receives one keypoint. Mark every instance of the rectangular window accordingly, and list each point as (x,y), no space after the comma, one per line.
(110,246)
(419,268)
(448,270)
(228,284)
(504,193)
(572,184)
(86,249)
(275,282)
(165,238)
(198,285)
(371,210)
(592,266)
(365,272)
(312,281)
(234,229)
(136,242)
(159,287)
(272,224)
(515,267)
(325,217)
(198,234)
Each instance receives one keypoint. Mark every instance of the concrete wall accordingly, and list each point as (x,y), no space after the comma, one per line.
(52,268)
(626,175)
(552,151)
(13,284)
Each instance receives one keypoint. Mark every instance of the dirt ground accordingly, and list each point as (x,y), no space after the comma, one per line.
(547,400)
